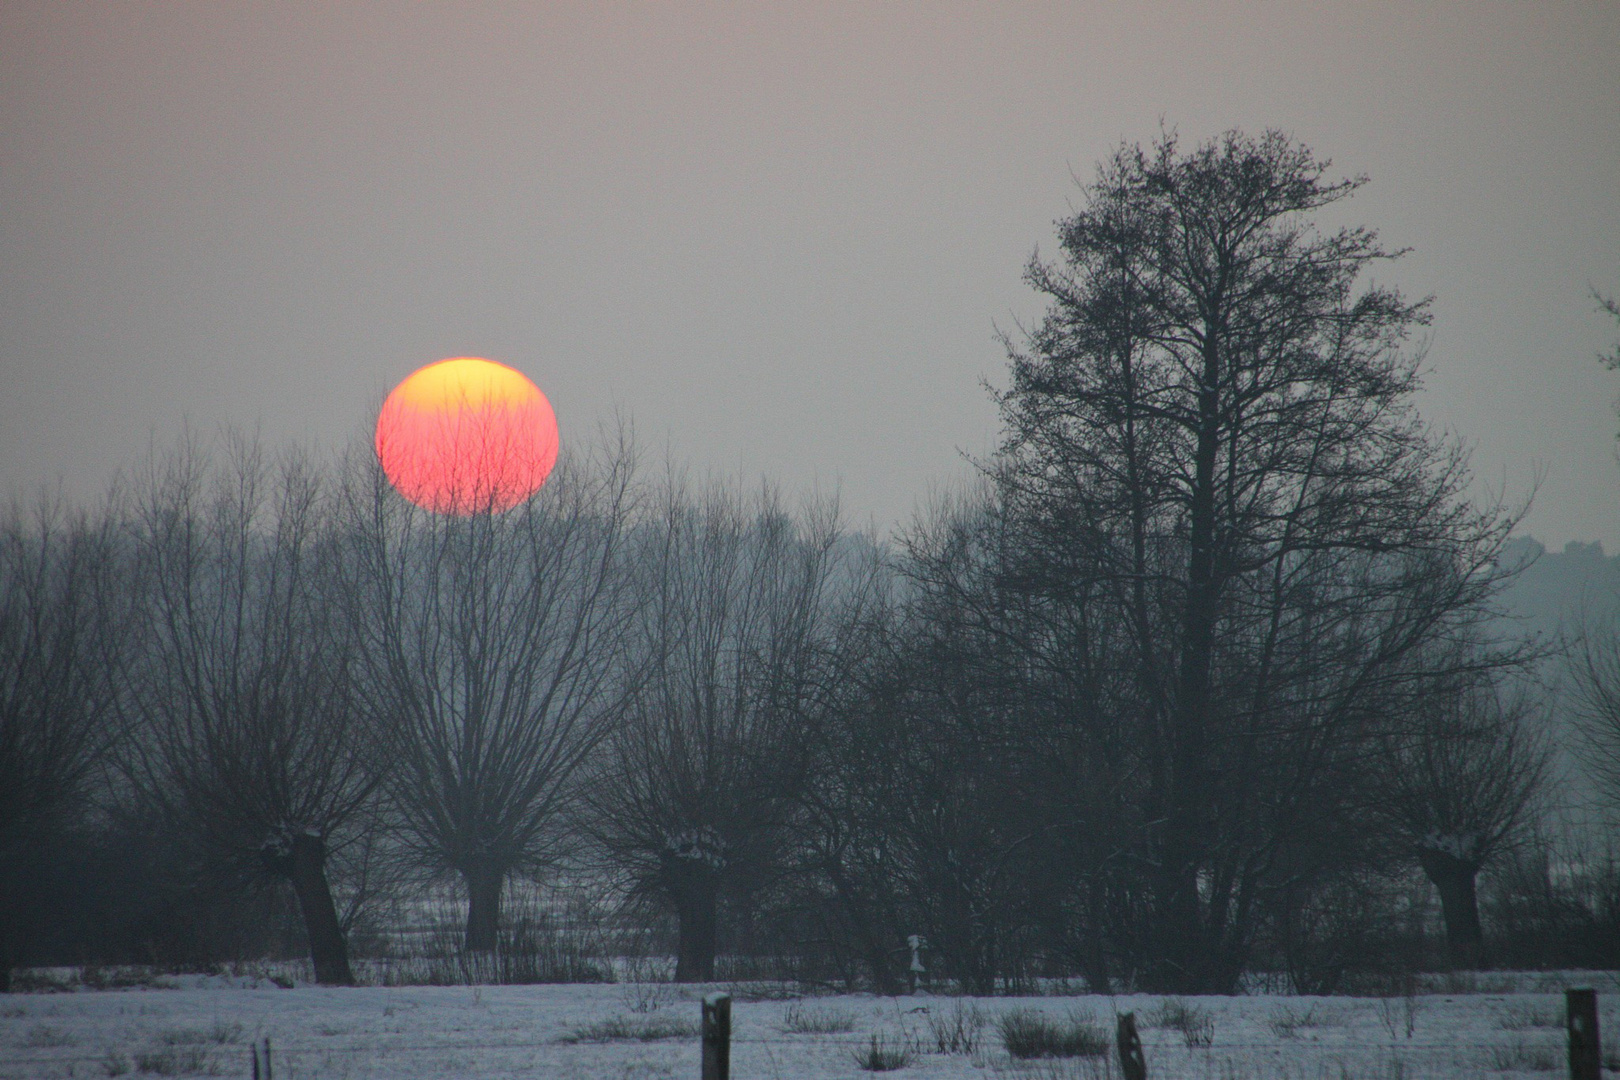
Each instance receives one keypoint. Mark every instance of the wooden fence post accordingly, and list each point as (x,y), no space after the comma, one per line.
(1585,1052)
(268,1071)
(717,1037)
(1131,1062)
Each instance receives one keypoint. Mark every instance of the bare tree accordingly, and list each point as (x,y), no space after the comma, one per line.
(1595,662)
(493,658)
(1459,787)
(737,638)
(1211,439)
(974,791)
(63,603)
(248,729)
(1594,667)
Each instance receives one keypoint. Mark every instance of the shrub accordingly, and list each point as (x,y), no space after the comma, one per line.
(1029,1034)
(220,1034)
(633,1029)
(1524,1017)
(959,1031)
(1286,1021)
(1524,1058)
(225,1032)
(881,1055)
(644,996)
(41,1037)
(1197,1027)
(801,1021)
(173,1061)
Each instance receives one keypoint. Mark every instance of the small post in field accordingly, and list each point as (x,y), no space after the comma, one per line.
(1581,1017)
(266,1072)
(717,1037)
(1131,1062)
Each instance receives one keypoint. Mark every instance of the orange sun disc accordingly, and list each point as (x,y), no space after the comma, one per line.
(467,436)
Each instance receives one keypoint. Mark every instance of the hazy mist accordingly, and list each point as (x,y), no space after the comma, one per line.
(780,239)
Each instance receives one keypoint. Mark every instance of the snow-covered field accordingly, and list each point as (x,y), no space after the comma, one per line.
(206,1025)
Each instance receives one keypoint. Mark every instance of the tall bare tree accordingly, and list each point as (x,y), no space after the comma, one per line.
(63,613)
(493,658)
(1211,437)
(248,730)
(738,642)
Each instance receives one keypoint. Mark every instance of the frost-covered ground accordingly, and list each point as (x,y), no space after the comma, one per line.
(205,1025)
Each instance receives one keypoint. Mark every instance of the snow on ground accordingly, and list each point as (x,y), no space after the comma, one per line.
(206,1025)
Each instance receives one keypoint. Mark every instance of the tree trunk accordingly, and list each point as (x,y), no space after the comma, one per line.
(301,858)
(483,909)
(1454,878)
(1184,943)
(696,904)
(1093,958)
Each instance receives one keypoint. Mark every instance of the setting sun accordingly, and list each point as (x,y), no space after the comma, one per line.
(467,435)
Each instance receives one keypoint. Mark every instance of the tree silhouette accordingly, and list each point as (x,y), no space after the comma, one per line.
(492,647)
(1459,787)
(246,726)
(63,611)
(1210,437)
(739,653)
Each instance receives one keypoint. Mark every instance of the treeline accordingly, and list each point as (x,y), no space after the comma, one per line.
(1196,679)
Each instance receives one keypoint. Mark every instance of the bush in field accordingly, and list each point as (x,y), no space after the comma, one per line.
(801,1021)
(1286,1022)
(883,1055)
(1197,1027)
(633,1029)
(957,1032)
(1029,1034)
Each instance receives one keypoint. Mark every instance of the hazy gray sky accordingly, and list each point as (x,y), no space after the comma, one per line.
(778,236)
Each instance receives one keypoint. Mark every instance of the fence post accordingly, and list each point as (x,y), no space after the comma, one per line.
(1131,1062)
(1585,1052)
(267,1072)
(717,1037)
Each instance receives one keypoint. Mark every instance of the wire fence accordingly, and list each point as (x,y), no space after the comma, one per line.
(1311,1040)
(1528,1055)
